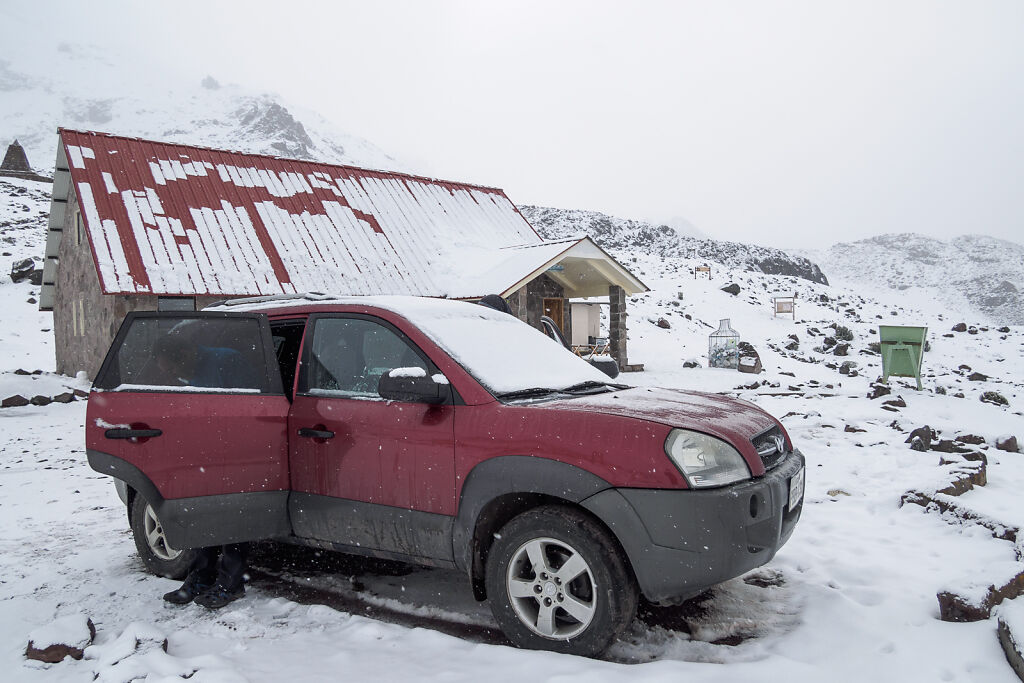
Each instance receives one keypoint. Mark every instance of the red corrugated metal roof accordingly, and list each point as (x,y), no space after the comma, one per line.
(175,219)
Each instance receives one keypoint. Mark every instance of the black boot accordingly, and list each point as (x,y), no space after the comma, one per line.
(217,596)
(193,586)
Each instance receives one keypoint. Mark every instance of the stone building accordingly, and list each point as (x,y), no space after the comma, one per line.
(141,225)
(15,165)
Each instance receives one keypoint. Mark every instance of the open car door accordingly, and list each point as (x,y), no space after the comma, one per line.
(188,409)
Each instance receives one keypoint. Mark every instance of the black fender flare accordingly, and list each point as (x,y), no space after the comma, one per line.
(514,475)
(111,465)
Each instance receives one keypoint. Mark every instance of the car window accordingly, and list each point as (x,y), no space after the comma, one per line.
(189,354)
(349,355)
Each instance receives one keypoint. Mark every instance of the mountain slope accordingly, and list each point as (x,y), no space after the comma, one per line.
(623,235)
(971,272)
(87,87)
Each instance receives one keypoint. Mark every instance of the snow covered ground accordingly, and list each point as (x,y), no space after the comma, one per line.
(852,596)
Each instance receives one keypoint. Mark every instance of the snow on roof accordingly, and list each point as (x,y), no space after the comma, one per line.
(173,219)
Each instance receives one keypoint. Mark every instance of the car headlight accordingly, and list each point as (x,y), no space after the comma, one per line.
(704,460)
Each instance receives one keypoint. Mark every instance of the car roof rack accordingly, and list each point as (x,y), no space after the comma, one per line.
(306,296)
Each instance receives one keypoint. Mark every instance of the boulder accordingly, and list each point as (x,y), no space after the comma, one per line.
(36,277)
(15,401)
(842,349)
(960,327)
(972,330)
(663,324)
(972,439)
(948,446)
(1004,330)
(21,270)
(977,377)
(924,435)
(750,360)
(828,342)
(878,389)
(64,637)
(1007,443)
(66,397)
(40,400)
(994,398)
(897,402)
(731,288)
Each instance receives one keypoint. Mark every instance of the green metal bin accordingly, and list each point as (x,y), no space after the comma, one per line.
(902,351)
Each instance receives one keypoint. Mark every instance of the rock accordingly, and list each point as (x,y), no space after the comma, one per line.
(15,401)
(36,277)
(792,346)
(20,371)
(31,300)
(960,327)
(731,288)
(972,439)
(40,400)
(64,637)
(663,324)
(691,364)
(21,270)
(1004,330)
(924,435)
(842,349)
(750,360)
(81,394)
(972,330)
(947,446)
(853,430)
(846,367)
(941,390)
(823,298)
(897,402)
(978,377)
(828,342)
(878,389)
(66,397)
(964,368)
(1007,443)
(918,444)
(994,398)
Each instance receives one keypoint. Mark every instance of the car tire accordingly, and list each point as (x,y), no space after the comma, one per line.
(584,594)
(159,557)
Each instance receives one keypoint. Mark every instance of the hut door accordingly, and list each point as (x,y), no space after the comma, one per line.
(553,310)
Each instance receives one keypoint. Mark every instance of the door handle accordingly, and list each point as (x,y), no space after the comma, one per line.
(132,433)
(316,433)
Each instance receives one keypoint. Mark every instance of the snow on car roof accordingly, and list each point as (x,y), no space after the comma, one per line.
(499,350)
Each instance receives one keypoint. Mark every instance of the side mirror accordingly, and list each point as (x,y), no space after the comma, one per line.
(411,385)
(606,364)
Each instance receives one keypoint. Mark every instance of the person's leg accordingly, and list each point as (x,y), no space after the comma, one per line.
(230,584)
(201,576)
(233,565)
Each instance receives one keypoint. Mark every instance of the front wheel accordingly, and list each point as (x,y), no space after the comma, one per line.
(557,580)
(157,554)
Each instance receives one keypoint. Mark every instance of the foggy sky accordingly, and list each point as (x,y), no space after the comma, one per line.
(782,123)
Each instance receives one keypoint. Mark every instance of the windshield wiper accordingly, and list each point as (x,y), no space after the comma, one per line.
(592,384)
(533,392)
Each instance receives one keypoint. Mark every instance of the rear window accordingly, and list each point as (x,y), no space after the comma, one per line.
(187,354)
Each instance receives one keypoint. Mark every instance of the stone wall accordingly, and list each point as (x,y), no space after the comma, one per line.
(541,288)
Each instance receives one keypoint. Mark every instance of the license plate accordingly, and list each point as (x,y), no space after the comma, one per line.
(796,489)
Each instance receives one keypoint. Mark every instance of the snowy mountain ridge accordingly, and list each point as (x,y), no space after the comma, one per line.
(625,235)
(43,87)
(973,272)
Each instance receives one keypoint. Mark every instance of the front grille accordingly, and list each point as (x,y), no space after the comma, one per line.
(767,446)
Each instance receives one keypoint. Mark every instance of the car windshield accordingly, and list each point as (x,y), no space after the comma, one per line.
(503,353)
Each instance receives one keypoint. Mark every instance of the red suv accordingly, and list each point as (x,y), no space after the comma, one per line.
(442,433)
